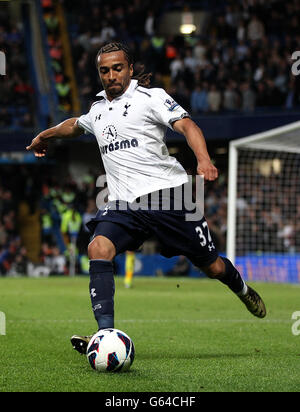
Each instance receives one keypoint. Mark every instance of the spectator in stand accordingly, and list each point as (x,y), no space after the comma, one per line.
(290,100)
(177,68)
(200,53)
(108,33)
(259,72)
(199,99)
(19,260)
(25,121)
(5,117)
(84,236)
(64,93)
(274,95)
(56,262)
(180,94)
(3,235)
(22,90)
(261,94)
(255,29)
(281,78)
(241,31)
(242,50)
(149,23)
(230,97)
(214,99)
(51,21)
(190,63)
(248,97)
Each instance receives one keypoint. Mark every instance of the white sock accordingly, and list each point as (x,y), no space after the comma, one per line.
(243,291)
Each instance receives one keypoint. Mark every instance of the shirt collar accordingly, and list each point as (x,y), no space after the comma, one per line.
(128,93)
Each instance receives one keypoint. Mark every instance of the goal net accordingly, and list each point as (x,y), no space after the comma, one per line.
(263,221)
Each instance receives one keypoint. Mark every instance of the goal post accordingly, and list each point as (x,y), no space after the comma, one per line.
(263,213)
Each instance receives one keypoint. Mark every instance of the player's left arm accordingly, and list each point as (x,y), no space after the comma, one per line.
(196,141)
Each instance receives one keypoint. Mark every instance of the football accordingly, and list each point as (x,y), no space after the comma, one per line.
(110,350)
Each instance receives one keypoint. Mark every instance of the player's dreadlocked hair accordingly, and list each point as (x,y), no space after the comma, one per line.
(142,78)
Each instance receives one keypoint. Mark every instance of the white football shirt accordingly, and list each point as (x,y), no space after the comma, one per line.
(130,131)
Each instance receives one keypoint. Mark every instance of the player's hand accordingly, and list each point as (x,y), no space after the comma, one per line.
(207,169)
(38,146)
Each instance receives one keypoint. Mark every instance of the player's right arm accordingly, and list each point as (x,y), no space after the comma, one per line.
(68,128)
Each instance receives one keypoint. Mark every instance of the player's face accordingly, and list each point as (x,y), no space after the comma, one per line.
(115,73)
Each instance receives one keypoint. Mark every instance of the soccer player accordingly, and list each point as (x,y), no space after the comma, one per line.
(129,268)
(129,120)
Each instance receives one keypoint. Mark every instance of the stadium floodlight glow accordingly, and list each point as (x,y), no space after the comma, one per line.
(187,23)
(2,63)
(187,28)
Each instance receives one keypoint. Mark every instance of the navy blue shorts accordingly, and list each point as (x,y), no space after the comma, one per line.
(128,229)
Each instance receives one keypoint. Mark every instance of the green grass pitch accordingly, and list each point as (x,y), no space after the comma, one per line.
(190,335)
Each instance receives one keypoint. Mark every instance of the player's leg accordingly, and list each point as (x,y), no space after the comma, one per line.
(208,260)
(110,239)
(101,252)
(223,270)
(129,268)
(193,239)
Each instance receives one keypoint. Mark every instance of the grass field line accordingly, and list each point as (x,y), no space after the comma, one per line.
(152,320)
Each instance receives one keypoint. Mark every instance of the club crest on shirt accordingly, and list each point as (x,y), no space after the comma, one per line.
(126,109)
(110,133)
(170,104)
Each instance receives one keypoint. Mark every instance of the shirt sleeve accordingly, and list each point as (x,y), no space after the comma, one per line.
(84,122)
(165,110)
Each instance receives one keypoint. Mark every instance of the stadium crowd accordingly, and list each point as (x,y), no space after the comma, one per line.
(16,91)
(39,218)
(55,49)
(241,63)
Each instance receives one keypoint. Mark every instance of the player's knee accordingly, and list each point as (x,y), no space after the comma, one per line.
(215,269)
(101,248)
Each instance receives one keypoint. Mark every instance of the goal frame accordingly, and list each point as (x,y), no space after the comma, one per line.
(254,141)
